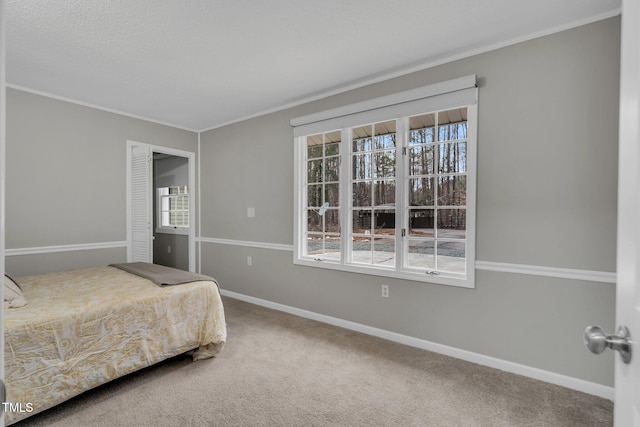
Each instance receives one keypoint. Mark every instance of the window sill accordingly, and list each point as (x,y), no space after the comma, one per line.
(441,279)
(166,230)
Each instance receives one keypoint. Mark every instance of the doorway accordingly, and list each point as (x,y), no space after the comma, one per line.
(171,193)
(160,205)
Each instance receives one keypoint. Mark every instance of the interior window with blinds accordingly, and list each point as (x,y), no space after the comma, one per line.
(387,187)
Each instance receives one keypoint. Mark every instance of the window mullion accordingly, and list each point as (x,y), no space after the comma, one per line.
(346,219)
(323,195)
(300,190)
(402,130)
(372,196)
(436,178)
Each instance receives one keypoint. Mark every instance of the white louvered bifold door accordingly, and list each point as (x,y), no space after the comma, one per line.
(140,220)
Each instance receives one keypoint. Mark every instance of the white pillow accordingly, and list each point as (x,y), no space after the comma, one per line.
(13,296)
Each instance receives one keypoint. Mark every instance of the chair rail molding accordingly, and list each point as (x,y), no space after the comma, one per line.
(65,248)
(501,267)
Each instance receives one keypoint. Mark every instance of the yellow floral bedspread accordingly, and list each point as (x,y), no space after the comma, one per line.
(86,327)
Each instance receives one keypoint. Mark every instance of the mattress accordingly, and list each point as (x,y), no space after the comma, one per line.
(83,328)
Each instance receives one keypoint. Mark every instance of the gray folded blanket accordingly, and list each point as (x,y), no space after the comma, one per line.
(161,275)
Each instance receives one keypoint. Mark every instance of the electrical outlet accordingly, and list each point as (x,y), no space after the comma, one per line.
(168,249)
(251,212)
(249,261)
(385,291)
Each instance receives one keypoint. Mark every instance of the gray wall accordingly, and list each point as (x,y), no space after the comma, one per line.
(66,179)
(178,254)
(547,176)
(171,170)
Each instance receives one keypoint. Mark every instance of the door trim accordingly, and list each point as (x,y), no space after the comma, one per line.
(191,157)
(628,239)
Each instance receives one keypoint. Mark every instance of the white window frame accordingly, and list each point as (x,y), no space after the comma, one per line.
(170,229)
(457,93)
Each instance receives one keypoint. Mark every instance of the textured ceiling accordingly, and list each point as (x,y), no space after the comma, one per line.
(197,64)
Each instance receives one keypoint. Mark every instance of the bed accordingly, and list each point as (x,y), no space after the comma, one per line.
(83,328)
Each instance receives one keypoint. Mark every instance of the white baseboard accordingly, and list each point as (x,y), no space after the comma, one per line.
(504,365)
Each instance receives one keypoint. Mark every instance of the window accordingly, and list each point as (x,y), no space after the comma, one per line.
(387,187)
(173,207)
(373,190)
(323,196)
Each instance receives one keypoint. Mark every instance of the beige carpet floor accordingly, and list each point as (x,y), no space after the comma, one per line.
(282,370)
